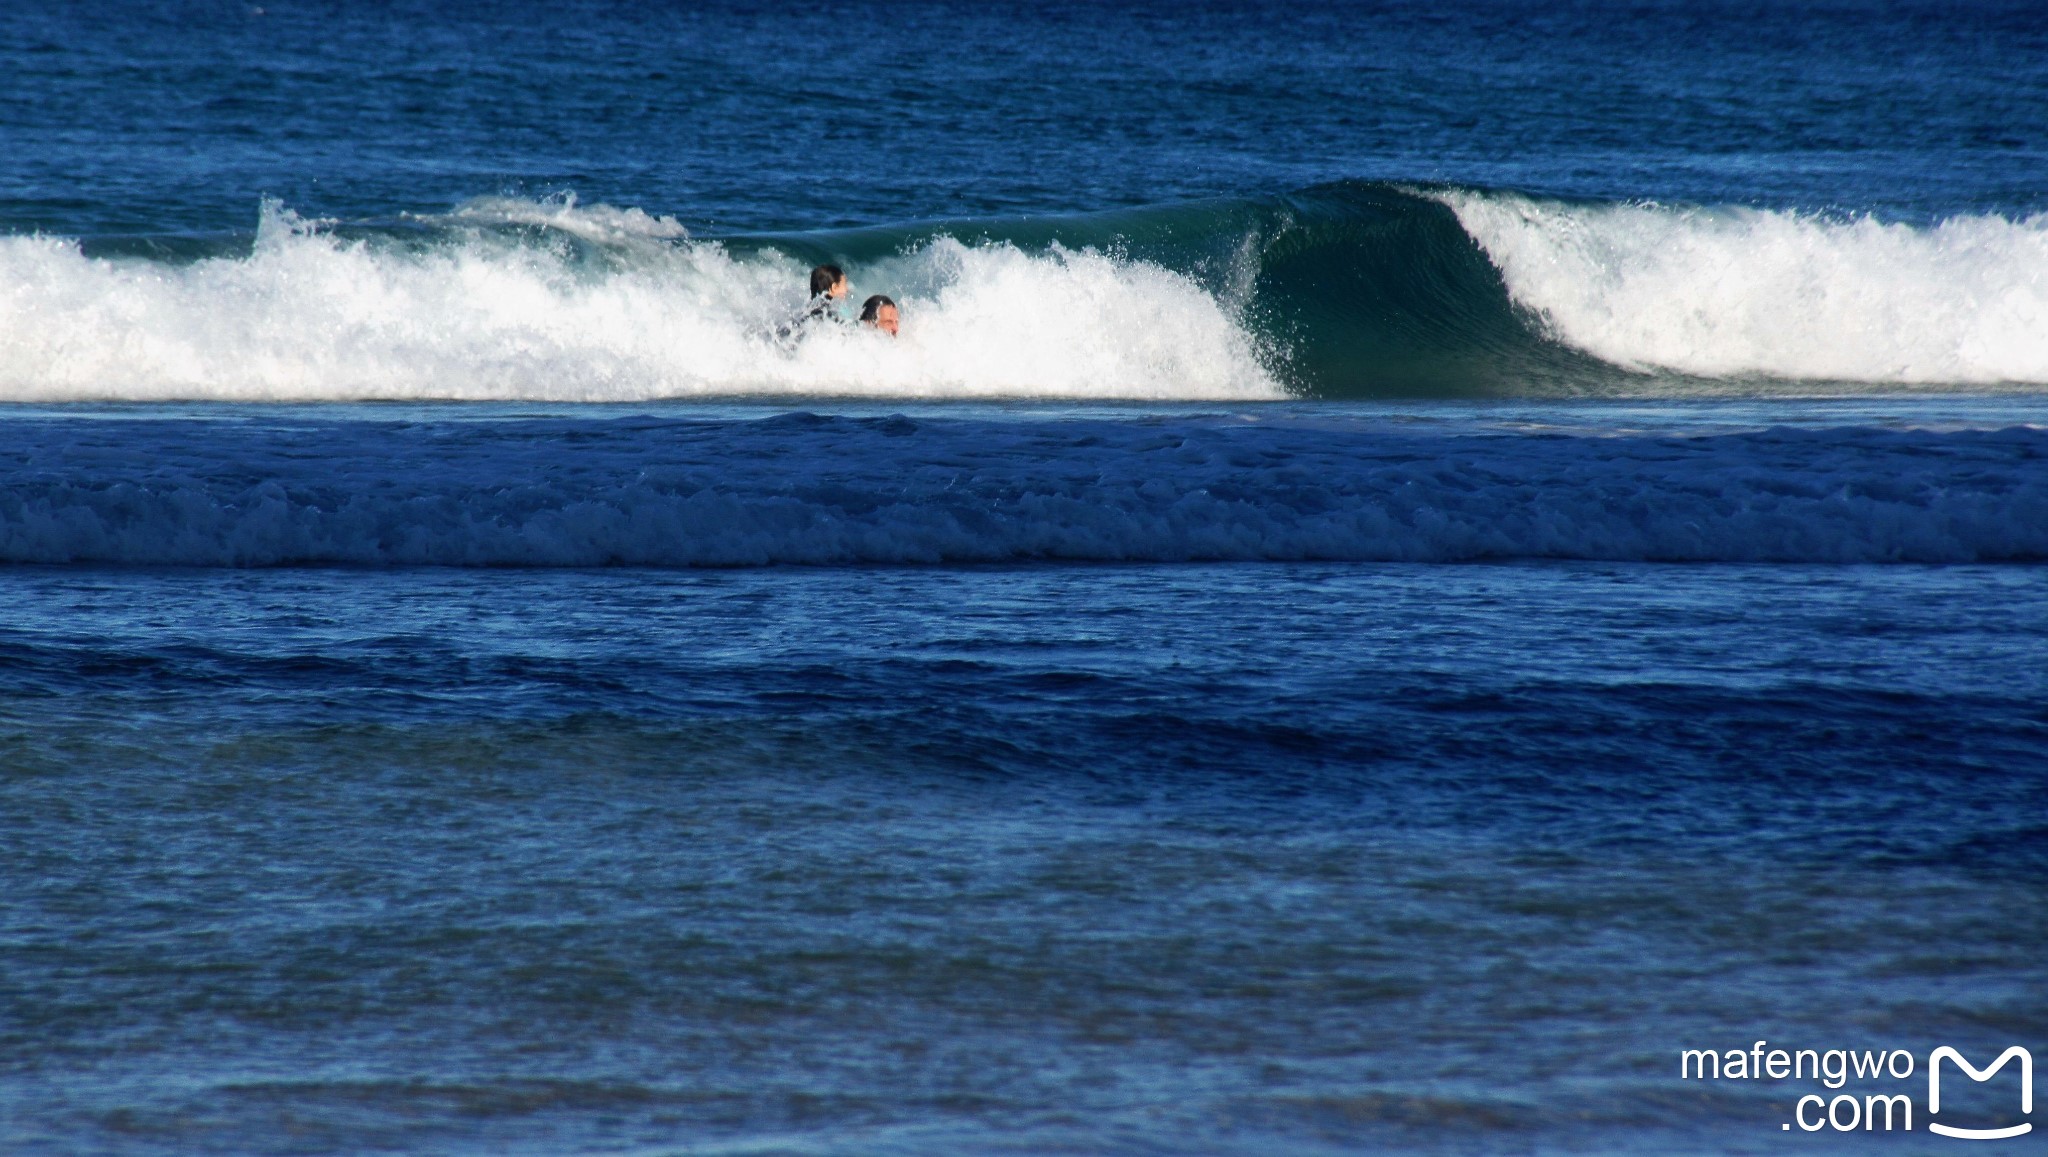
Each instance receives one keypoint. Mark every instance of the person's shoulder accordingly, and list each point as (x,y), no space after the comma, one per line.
(818,313)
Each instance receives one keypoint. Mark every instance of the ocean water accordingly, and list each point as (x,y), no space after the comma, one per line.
(1409,565)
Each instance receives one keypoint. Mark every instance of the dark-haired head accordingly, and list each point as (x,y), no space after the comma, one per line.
(824,278)
(880,312)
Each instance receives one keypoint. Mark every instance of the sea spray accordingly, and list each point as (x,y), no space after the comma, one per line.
(1733,291)
(1347,290)
(505,302)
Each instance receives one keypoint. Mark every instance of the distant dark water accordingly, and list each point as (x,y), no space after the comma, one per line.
(1409,563)
(172,117)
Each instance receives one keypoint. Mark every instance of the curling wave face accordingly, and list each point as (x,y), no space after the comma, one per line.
(1349,290)
(802,489)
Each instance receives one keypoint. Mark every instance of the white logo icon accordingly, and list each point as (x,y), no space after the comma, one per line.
(1976,1074)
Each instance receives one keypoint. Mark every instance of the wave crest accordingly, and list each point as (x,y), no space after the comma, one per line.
(1728,292)
(1347,290)
(488,313)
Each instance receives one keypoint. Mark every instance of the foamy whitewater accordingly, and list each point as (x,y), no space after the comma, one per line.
(483,314)
(510,299)
(1721,292)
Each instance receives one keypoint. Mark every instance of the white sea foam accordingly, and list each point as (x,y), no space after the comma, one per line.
(804,489)
(482,314)
(602,223)
(1737,292)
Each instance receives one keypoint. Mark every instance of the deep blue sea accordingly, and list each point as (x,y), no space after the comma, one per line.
(1410,566)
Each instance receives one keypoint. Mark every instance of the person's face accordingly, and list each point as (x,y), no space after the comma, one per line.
(885,320)
(838,289)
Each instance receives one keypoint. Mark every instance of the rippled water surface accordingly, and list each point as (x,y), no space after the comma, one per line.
(1409,563)
(1223,858)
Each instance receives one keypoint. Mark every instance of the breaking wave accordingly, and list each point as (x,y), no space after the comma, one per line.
(1749,292)
(533,301)
(1351,290)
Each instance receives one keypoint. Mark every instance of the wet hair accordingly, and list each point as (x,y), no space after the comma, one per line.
(871,309)
(824,277)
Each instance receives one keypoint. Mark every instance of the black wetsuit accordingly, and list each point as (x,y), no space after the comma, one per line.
(821,311)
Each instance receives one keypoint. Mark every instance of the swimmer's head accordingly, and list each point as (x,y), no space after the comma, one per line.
(880,312)
(828,281)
